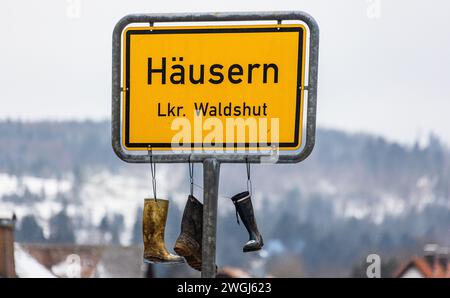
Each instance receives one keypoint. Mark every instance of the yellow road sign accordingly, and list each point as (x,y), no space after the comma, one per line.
(213,86)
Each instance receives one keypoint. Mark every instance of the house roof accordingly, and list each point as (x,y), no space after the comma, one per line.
(28,267)
(7,223)
(88,260)
(426,269)
(232,272)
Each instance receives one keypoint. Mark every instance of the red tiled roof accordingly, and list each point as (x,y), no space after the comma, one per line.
(232,272)
(428,271)
(51,255)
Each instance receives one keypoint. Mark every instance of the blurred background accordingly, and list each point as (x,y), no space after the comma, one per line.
(377,181)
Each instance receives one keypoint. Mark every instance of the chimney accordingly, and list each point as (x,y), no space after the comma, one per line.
(7,267)
(443,257)
(430,251)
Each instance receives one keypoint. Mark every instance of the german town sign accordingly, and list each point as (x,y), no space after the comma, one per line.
(231,73)
(230,86)
(213,93)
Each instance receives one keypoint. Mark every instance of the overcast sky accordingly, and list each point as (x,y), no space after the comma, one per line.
(384,71)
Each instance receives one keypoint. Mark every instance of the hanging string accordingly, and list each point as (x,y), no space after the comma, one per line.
(192,184)
(153,171)
(191,175)
(249,180)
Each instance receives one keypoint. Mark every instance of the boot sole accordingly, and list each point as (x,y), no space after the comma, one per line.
(189,248)
(155,260)
(254,248)
(194,261)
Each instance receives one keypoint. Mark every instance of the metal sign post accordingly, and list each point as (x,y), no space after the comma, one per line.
(211,173)
(127,149)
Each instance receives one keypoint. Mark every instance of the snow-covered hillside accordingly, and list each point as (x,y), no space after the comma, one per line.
(356,192)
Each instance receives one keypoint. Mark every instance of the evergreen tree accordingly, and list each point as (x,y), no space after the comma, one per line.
(61,228)
(117,226)
(30,231)
(137,228)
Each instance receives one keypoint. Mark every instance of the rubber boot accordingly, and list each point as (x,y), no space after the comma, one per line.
(154,224)
(244,208)
(189,243)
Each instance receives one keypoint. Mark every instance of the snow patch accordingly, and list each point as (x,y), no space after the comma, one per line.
(27,266)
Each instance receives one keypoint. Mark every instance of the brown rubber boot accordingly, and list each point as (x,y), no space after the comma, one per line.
(189,243)
(153,226)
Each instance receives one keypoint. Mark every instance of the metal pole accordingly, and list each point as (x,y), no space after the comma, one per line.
(211,172)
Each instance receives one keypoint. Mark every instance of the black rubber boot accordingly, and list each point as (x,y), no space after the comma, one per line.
(189,243)
(244,208)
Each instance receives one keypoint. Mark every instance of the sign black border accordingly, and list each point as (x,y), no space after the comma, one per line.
(300,30)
